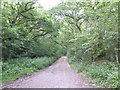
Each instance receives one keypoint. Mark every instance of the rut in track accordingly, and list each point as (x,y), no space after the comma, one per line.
(58,75)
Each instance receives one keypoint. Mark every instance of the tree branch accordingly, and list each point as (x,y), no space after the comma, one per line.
(78,27)
(69,16)
(20,13)
(43,34)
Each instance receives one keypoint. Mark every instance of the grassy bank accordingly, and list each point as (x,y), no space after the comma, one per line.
(102,73)
(15,68)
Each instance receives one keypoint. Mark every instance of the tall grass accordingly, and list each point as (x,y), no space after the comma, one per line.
(15,68)
(103,74)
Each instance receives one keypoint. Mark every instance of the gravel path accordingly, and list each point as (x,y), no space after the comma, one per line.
(58,75)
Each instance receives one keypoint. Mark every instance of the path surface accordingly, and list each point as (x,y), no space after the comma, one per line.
(58,75)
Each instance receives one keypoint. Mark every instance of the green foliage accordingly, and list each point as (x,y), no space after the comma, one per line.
(89,31)
(104,74)
(23,26)
(98,40)
(84,31)
(15,68)
(44,48)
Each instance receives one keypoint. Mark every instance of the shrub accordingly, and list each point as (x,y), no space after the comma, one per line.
(104,75)
(15,68)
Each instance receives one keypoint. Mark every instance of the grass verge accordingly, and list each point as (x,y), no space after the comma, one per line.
(103,74)
(15,68)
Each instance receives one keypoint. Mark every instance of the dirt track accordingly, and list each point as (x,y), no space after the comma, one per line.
(58,75)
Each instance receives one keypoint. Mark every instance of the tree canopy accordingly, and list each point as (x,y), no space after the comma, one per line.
(85,30)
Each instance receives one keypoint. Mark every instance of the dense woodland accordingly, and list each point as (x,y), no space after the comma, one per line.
(86,32)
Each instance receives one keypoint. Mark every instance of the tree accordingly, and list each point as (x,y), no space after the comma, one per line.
(22,26)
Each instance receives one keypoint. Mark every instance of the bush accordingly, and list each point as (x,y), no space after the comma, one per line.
(15,68)
(104,75)
(107,73)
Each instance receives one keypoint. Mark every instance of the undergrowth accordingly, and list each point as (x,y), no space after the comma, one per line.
(15,68)
(103,75)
